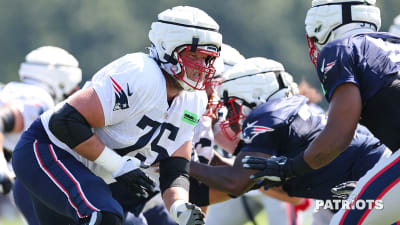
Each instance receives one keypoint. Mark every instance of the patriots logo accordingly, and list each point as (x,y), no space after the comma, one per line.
(252,130)
(325,69)
(121,100)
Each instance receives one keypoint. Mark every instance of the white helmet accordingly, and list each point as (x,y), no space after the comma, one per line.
(229,57)
(251,83)
(395,27)
(185,28)
(52,68)
(328,20)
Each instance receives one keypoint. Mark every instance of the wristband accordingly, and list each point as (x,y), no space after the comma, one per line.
(173,210)
(109,160)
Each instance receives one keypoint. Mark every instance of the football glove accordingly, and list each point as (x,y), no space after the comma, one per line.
(186,213)
(344,190)
(277,169)
(274,169)
(134,179)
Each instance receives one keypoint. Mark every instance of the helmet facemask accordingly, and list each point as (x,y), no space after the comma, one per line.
(313,52)
(192,74)
(238,109)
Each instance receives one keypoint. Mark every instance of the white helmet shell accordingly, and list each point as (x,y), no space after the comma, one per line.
(395,27)
(326,16)
(229,57)
(179,27)
(52,68)
(257,80)
(249,84)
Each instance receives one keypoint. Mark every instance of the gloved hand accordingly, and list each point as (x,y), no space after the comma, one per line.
(134,179)
(344,190)
(6,183)
(274,168)
(186,213)
(266,184)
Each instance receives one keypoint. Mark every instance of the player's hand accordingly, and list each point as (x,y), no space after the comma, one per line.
(6,183)
(186,213)
(274,169)
(134,179)
(344,190)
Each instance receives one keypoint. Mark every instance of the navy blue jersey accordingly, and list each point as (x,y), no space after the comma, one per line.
(369,60)
(287,126)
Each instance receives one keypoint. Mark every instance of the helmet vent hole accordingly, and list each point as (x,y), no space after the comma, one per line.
(318,29)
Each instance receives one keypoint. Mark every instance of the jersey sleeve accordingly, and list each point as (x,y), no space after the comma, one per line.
(125,87)
(336,65)
(109,92)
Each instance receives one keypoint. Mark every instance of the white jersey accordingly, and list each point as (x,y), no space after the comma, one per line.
(30,100)
(138,119)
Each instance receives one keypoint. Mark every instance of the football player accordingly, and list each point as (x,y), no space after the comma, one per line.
(277,211)
(275,124)
(249,204)
(48,75)
(358,68)
(139,110)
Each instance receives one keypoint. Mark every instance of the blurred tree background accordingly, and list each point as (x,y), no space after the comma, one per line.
(99,31)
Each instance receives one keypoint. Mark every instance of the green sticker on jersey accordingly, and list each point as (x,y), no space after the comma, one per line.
(323,89)
(190,118)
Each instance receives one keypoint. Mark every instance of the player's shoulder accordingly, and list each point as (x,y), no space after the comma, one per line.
(340,46)
(24,91)
(140,60)
(354,42)
(278,110)
(135,71)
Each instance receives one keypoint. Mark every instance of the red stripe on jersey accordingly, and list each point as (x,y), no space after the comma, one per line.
(117,87)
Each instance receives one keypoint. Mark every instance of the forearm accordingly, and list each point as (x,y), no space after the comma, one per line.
(344,113)
(173,194)
(218,196)
(223,178)
(220,160)
(325,149)
(91,148)
(281,195)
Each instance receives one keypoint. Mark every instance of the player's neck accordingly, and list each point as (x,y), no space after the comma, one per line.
(173,88)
